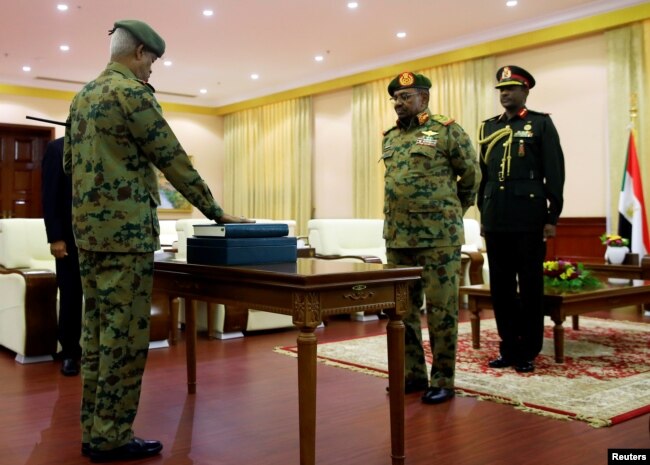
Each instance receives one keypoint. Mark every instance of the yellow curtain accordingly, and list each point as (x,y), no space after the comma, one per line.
(268,159)
(463,91)
(628,71)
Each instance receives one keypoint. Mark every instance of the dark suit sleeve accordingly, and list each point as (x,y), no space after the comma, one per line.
(553,162)
(465,164)
(52,187)
(483,167)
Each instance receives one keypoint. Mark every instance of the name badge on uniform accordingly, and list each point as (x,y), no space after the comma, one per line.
(427,138)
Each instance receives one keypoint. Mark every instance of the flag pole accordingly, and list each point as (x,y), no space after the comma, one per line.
(633,223)
(633,111)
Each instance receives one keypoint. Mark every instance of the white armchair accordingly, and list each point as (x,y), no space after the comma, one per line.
(361,238)
(474,245)
(353,237)
(168,234)
(29,304)
(28,308)
(349,239)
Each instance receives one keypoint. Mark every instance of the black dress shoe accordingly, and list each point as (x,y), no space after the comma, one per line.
(136,449)
(69,367)
(525,367)
(436,395)
(500,362)
(411,386)
(85,449)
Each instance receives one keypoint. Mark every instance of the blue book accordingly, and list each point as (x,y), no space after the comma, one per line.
(241,250)
(241,230)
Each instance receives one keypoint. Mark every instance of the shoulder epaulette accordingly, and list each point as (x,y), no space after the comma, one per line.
(388,130)
(444,120)
(538,112)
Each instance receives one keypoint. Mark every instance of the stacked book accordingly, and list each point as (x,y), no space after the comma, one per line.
(241,244)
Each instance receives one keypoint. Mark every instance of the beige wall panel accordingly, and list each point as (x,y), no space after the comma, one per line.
(572,86)
(332,191)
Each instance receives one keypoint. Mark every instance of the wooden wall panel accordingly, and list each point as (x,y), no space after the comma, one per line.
(578,240)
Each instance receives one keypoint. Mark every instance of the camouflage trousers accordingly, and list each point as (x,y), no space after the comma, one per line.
(115,340)
(439,283)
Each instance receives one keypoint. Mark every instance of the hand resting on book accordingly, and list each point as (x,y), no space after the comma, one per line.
(233,219)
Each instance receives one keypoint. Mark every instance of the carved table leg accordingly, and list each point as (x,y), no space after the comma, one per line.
(576,322)
(395,343)
(190,343)
(395,334)
(306,314)
(307,395)
(475,322)
(174,309)
(558,340)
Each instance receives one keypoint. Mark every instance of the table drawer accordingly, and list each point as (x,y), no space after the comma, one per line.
(378,297)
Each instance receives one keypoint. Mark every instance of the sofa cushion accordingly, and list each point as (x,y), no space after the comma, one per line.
(23,244)
(354,236)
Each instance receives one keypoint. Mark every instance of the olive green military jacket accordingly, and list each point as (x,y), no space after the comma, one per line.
(116,135)
(431,179)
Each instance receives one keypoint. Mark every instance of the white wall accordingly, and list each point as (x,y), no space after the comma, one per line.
(571,85)
(14,108)
(200,135)
(332,167)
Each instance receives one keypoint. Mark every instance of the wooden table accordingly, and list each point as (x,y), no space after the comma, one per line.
(627,270)
(308,290)
(616,292)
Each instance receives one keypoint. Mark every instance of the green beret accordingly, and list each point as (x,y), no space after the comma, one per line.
(408,80)
(144,33)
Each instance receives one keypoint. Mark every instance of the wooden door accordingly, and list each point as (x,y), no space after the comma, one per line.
(21,153)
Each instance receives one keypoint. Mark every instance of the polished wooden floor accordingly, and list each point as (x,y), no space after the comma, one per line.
(245,412)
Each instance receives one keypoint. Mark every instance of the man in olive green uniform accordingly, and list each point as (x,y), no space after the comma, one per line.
(116,136)
(432,176)
(520,199)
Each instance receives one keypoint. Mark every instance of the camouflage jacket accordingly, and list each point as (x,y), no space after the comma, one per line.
(116,135)
(432,177)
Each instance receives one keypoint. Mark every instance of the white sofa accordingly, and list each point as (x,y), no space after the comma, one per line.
(474,244)
(168,234)
(28,308)
(350,240)
(347,237)
(364,237)
(29,303)
(215,317)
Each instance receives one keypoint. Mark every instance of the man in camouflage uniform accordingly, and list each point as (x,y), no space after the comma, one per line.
(432,176)
(116,136)
(520,199)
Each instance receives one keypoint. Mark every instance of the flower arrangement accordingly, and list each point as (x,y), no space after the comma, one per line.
(568,276)
(614,240)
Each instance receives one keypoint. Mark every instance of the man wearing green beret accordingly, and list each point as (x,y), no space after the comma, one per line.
(116,135)
(432,177)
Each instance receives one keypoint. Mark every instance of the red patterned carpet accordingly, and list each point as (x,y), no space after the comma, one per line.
(605,378)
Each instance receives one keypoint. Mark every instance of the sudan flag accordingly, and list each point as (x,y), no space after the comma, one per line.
(632,220)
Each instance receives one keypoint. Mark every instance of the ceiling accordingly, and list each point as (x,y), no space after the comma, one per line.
(276,39)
